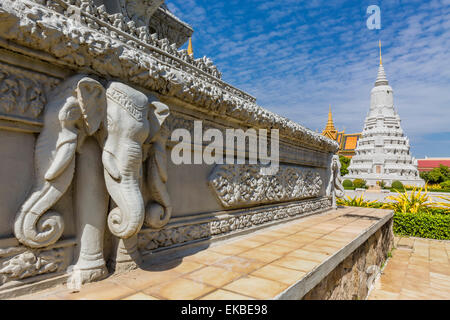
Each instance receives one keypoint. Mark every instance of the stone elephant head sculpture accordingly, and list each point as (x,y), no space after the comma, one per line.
(75,110)
(140,117)
(118,117)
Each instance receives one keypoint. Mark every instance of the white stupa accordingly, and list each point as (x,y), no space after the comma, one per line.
(382,153)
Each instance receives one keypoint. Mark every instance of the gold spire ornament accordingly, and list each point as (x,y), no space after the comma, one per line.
(190,49)
(379,44)
(330,124)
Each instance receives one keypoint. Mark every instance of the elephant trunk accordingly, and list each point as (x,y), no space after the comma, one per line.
(38,231)
(126,220)
(35,225)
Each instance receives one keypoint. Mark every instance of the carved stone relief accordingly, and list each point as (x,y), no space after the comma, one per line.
(243,185)
(17,263)
(94,136)
(219,225)
(23,94)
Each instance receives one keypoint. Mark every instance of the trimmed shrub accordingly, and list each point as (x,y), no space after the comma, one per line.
(444,185)
(345,162)
(423,225)
(359,183)
(397,185)
(347,183)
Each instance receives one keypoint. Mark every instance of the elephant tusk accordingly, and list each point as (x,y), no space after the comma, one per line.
(110,165)
(64,156)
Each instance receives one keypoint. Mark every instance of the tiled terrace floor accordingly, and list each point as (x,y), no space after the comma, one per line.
(259,265)
(418,269)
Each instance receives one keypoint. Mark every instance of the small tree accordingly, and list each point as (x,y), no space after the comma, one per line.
(359,183)
(345,162)
(444,185)
(437,175)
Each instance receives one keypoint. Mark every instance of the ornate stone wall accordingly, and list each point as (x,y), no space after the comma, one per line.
(89,94)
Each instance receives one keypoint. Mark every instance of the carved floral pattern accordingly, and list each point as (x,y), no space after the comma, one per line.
(243,185)
(23,93)
(18,263)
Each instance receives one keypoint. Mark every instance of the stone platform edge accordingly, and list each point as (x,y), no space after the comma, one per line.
(299,289)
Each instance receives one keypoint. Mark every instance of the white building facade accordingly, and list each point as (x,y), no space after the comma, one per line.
(383,151)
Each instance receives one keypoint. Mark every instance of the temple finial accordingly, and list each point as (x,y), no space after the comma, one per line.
(379,44)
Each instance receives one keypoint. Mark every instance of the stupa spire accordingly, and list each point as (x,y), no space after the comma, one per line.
(381,77)
(379,44)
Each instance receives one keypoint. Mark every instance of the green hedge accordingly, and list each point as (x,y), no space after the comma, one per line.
(347,183)
(423,225)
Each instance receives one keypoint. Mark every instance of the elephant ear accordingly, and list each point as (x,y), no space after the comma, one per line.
(156,117)
(92,99)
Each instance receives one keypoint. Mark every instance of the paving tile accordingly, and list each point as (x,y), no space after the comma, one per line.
(260,255)
(280,274)
(413,274)
(440,268)
(245,243)
(228,249)
(184,266)
(309,255)
(102,290)
(179,289)
(406,242)
(263,238)
(383,295)
(213,276)
(288,243)
(141,279)
(296,263)
(239,264)
(206,257)
(221,294)
(256,287)
(330,243)
(319,248)
(140,296)
(275,249)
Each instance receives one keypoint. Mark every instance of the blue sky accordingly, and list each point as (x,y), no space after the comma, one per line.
(297,57)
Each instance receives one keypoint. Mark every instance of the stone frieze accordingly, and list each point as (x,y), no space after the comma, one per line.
(244,185)
(23,93)
(20,262)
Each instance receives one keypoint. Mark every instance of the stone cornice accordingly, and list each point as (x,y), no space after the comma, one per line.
(90,44)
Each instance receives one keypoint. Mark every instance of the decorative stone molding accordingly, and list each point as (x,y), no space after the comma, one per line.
(23,94)
(198,228)
(20,262)
(288,153)
(106,49)
(244,185)
(167,25)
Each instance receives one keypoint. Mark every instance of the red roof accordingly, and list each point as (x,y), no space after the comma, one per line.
(429,164)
